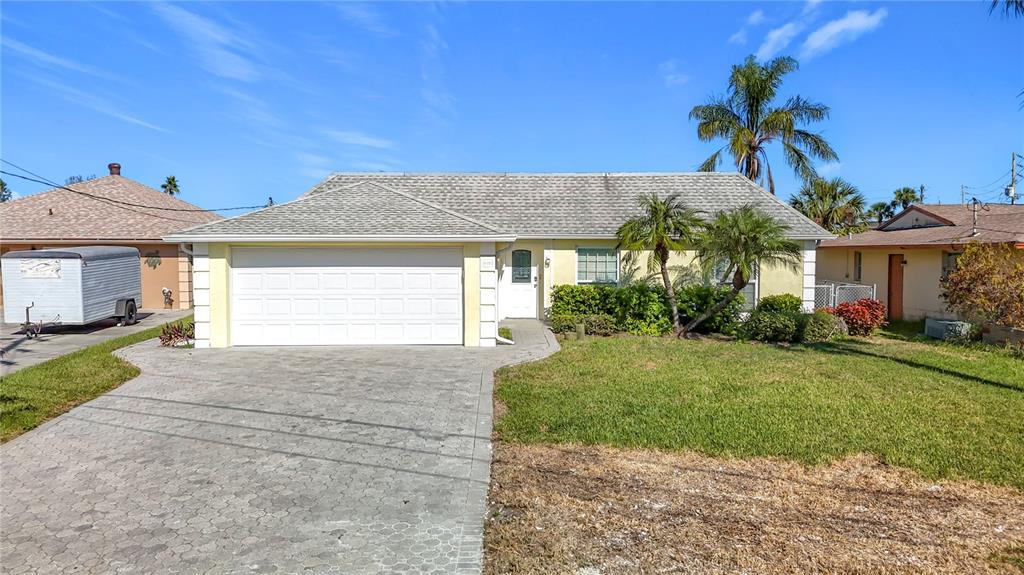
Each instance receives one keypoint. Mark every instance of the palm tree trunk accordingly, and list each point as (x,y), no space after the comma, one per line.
(709,312)
(671,292)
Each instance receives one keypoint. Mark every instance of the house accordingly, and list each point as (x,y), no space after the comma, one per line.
(112,210)
(367,258)
(907,255)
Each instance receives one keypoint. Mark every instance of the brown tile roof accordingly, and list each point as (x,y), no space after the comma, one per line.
(60,214)
(997,223)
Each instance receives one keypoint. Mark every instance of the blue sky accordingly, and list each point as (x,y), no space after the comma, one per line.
(241,101)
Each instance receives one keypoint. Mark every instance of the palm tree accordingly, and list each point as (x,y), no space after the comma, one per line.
(880,211)
(1009,8)
(903,197)
(747,119)
(664,226)
(834,204)
(170,186)
(741,238)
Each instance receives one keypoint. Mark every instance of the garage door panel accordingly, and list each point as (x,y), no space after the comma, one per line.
(346,296)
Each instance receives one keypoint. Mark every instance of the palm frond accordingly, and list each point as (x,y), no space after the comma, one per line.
(815,145)
(711,164)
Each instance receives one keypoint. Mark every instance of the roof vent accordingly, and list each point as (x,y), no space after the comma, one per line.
(115,169)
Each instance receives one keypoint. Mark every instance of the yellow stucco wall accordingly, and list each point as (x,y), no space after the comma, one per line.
(773,280)
(921,275)
(220,298)
(471,295)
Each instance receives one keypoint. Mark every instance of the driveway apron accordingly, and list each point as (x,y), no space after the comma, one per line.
(265,460)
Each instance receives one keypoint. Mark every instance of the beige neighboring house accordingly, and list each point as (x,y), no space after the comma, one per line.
(367,258)
(98,213)
(907,255)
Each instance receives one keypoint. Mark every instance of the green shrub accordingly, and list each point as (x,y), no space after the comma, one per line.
(694,299)
(642,309)
(781,302)
(819,327)
(773,326)
(596,324)
(587,299)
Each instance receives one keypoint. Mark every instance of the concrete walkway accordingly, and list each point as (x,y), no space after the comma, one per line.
(265,460)
(18,352)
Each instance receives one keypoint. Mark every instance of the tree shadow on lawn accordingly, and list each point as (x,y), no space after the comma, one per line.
(863,348)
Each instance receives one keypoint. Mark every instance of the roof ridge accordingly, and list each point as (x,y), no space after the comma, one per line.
(915,208)
(424,202)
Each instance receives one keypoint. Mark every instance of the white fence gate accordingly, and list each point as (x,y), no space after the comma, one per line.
(831,294)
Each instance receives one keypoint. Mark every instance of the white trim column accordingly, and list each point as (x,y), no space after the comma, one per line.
(201,293)
(809,253)
(488,296)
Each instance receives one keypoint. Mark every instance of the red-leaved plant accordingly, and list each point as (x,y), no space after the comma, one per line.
(862,317)
(177,333)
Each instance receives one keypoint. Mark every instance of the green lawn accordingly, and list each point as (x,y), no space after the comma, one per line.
(35,394)
(941,409)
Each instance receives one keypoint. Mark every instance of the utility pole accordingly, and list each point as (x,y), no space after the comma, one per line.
(974,209)
(963,194)
(922,193)
(1012,190)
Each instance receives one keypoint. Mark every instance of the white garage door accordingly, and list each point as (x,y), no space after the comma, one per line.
(334,296)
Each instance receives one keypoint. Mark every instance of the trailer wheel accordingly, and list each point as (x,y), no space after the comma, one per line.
(130,313)
(31,331)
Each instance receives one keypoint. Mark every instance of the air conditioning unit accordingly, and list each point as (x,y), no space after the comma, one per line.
(946,329)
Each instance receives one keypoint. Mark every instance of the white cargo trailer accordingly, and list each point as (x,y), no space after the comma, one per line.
(71,286)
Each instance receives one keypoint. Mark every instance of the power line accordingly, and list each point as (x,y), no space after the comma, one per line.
(47,182)
(996,181)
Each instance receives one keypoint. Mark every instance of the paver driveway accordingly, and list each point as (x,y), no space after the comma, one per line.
(264,460)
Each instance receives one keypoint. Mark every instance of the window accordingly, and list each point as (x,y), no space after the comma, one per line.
(857,265)
(597,265)
(949,260)
(749,292)
(522,269)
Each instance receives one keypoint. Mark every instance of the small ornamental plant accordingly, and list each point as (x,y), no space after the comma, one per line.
(862,317)
(177,334)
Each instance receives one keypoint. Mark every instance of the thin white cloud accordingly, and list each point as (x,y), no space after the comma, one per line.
(251,108)
(777,39)
(830,169)
(220,51)
(756,17)
(740,37)
(811,6)
(841,31)
(671,74)
(353,138)
(438,100)
(49,60)
(365,17)
(94,103)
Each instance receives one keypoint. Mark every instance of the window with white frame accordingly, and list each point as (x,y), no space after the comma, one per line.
(749,292)
(597,266)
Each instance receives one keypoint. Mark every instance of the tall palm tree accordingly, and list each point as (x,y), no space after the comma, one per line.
(664,226)
(741,238)
(1009,8)
(170,186)
(903,197)
(748,119)
(880,211)
(834,204)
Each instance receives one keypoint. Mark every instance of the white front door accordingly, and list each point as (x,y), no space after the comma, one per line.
(346,296)
(522,291)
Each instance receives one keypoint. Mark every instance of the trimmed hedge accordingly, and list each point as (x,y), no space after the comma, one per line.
(781,302)
(820,327)
(771,326)
(640,308)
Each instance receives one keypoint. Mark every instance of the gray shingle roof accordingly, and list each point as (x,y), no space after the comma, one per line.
(523,204)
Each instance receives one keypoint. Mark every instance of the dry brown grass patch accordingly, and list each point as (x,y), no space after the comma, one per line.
(591,510)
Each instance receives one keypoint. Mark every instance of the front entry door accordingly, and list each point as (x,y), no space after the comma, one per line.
(523,291)
(895,286)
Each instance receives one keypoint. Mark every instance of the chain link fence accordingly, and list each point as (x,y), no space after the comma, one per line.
(830,294)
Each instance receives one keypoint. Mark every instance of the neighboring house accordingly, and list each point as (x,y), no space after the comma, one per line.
(439,258)
(907,255)
(106,211)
